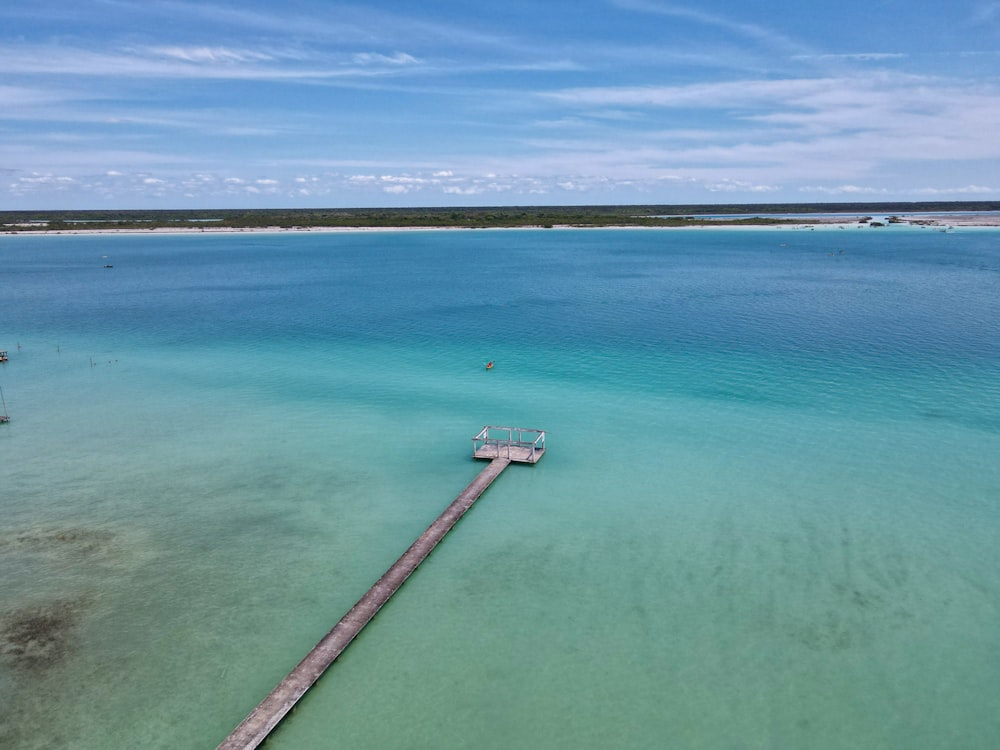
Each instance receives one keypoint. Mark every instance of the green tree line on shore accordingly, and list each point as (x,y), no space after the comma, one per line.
(475,217)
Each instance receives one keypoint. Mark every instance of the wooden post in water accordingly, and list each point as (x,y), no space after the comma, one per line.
(255,728)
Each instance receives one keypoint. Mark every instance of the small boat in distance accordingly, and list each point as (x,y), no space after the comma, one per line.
(3,356)
(489,365)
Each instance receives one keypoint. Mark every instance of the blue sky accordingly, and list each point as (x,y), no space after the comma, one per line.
(308,103)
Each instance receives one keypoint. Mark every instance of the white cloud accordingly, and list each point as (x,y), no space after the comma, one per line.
(46,179)
(403,179)
(39,183)
(965,190)
(739,186)
(858,56)
(208,54)
(843,190)
(915,192)
(468,190)
(374,58)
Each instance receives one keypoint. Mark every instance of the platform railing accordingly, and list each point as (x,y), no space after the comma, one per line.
(502,439)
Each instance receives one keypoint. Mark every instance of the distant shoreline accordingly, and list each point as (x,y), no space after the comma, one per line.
(762,216)
(939,221)
(305,220)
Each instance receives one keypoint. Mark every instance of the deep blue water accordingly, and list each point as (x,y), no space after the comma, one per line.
(768,516)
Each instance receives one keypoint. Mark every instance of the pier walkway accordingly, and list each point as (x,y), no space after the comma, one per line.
(255,728)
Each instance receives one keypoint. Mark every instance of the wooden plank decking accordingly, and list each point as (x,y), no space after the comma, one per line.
(516,453)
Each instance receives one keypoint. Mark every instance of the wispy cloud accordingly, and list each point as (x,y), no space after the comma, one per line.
(986,12)
(214,55)
(726,94)
(335,24)
(375,58)
(843,190)
(930,118)
(14,98)
(183,63)
(739,186)
(962,190)
(921,192)
(761,34)
(856,56)
(274,65)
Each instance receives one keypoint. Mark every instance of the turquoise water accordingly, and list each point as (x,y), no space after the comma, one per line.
(769,516)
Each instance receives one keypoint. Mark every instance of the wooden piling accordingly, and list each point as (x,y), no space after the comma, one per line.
(255,728)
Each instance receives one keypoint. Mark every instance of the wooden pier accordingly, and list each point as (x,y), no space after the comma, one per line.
(255,728)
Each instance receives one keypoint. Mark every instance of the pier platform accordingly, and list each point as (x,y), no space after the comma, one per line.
(516,444)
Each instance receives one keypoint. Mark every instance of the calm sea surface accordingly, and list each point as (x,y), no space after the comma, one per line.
(769,516)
